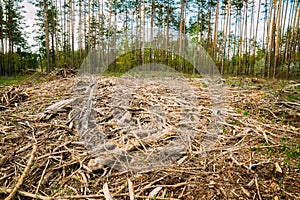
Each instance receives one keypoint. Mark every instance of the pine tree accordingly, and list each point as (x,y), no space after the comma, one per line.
(12,30)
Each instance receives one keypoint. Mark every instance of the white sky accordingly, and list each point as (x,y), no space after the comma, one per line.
(30,21)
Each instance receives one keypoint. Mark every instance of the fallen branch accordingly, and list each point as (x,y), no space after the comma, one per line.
(257,187)
(36,196)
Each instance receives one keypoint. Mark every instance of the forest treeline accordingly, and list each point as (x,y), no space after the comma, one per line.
(245,37)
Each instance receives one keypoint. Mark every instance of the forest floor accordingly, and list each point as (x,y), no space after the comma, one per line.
(257,156)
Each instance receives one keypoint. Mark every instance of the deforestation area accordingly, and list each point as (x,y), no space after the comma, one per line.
(255,157)
(149,100)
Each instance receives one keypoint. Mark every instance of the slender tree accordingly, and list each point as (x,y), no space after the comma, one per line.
(47,34)
(276,57)
(225,35)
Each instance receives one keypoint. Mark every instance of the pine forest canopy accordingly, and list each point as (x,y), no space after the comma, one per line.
(255,38)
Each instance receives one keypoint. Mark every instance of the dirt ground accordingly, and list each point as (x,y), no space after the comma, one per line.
(257,156)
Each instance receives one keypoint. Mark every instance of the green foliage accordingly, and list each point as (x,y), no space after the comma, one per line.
(132,59)
(289,151)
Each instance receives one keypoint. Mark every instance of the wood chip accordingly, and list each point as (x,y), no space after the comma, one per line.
(278,168)
(131,190)
(106,192)
(154,192)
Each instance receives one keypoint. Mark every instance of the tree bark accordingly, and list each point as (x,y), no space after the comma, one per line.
(268,38)
(255,38)
(2,70)
(72,16)
(46,24)
(277,44)
(151,31)
(225,36)
(181,28)
(80,31)
(216,31)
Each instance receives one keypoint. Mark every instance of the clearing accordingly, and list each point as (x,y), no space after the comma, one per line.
(257,156)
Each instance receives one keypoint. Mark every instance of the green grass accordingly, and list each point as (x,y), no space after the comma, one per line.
(15,80)
(11,80)
(289,151)
(292,97)
(112,74)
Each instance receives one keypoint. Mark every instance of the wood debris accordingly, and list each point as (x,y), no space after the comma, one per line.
(255,155)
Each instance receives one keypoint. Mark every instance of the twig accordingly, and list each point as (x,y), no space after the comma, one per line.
(26,194)
(41,179)
(35,196)
(158,198)
(25,172)
(131,190)
(258,193)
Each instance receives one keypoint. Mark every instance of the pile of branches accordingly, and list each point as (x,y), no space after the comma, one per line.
(44,156)
(12,96)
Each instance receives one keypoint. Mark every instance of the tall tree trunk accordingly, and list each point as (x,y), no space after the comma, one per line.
(277,44)
(143,32)
(255,38)
(209,28)
(115,40)
(284,14)
(229,43)
(181,28)
(109,28)
(151,31)
(272,37)
(240,68)
(166,32)
(52,48)
(80,32)
(84,28)
(55,34)
(68,11)
(72,16)
(268,38)
(89,25)
(64,32)
(250,61)
(225,36)
(99,26)
(216,31)
(52,35)
(2,70)
(235,41)
(102,34)
(296,36)
(245,64)
(126,38)
(288,46)
(46,24)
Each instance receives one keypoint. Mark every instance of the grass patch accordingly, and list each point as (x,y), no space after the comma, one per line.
(11,80)
(289,152)
(16,80)
(112,74)
(291,97)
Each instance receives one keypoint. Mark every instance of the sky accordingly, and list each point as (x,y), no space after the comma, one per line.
(30,21)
